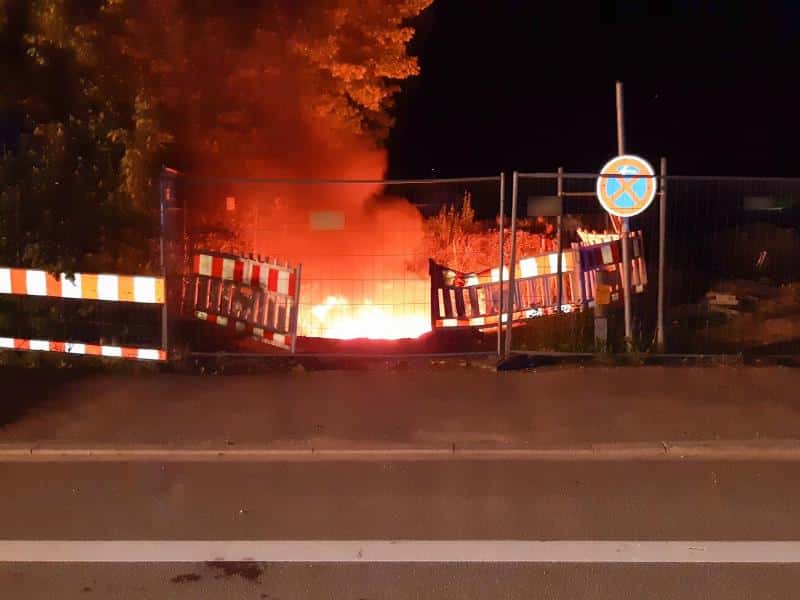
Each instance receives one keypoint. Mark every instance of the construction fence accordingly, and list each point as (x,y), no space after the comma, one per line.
(262,266)
(730,268)
(362,248)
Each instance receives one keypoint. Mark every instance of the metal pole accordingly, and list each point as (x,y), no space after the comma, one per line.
(295,315)
(560,267)
(502,232)
(620,120)
(164,307)
(626,224)
(512,262)
(662,252)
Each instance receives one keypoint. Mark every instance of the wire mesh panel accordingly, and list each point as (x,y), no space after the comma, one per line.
(363,245)
(731,281)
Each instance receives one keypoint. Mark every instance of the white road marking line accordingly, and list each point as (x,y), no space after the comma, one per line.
(788,451)
(372,551)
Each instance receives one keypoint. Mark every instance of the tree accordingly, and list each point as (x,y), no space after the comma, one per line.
(79,184)
(106,91)
(261,88)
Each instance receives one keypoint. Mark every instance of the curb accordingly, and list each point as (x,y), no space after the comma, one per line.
(775,450)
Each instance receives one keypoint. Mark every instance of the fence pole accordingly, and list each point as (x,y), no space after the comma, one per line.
(662,251)
(162,189)
(560,251)
(512,262)
(502,232)
(626,225)
(296,312)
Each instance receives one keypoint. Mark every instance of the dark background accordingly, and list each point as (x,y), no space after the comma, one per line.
(529,85)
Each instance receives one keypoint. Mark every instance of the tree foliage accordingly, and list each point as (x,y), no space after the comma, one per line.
(77,192)
(106,91)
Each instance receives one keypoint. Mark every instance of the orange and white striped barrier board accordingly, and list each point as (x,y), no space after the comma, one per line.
(607,256)
(255,297)
(84,286)
(268,276)
(151,354)
(473,299)
(257,333)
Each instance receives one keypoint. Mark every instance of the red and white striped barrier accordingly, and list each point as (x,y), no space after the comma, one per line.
(254,297)
(268,276)
(473,299)
(84,286)
(150,354)
(257,333)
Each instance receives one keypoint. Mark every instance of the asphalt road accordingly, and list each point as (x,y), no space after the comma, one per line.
(439,406)
(446,500)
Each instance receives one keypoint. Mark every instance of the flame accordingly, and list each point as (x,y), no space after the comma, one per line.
(344,320)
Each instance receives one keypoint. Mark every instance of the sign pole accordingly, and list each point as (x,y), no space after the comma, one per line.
(662,250)
(626,226)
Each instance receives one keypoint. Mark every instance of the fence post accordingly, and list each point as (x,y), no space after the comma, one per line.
(560,269)
(162,191)
(296,312)
(662,249)
(502,217)
(512,263)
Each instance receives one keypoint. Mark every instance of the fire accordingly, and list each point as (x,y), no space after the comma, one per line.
(338,318)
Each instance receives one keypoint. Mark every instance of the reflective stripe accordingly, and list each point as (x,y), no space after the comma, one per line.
(148,354)
(554,263)
(36,283)
(41,345)
(75,349)
(258,333)
(71,289)
(108,288)
(204,265)
(144,290)
(283,282)
(228,265)
(81,349)
(528,267)
(496,274)
(83,286)
(5,281)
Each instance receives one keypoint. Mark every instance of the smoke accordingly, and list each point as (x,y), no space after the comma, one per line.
(296,90)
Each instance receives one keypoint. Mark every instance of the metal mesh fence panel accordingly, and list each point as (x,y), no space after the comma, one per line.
(733,265)
(363,245)
(731,281)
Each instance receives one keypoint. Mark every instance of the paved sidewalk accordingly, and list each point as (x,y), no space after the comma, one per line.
(435,408)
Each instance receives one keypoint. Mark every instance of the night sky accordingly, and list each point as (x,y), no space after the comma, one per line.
(529,85)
